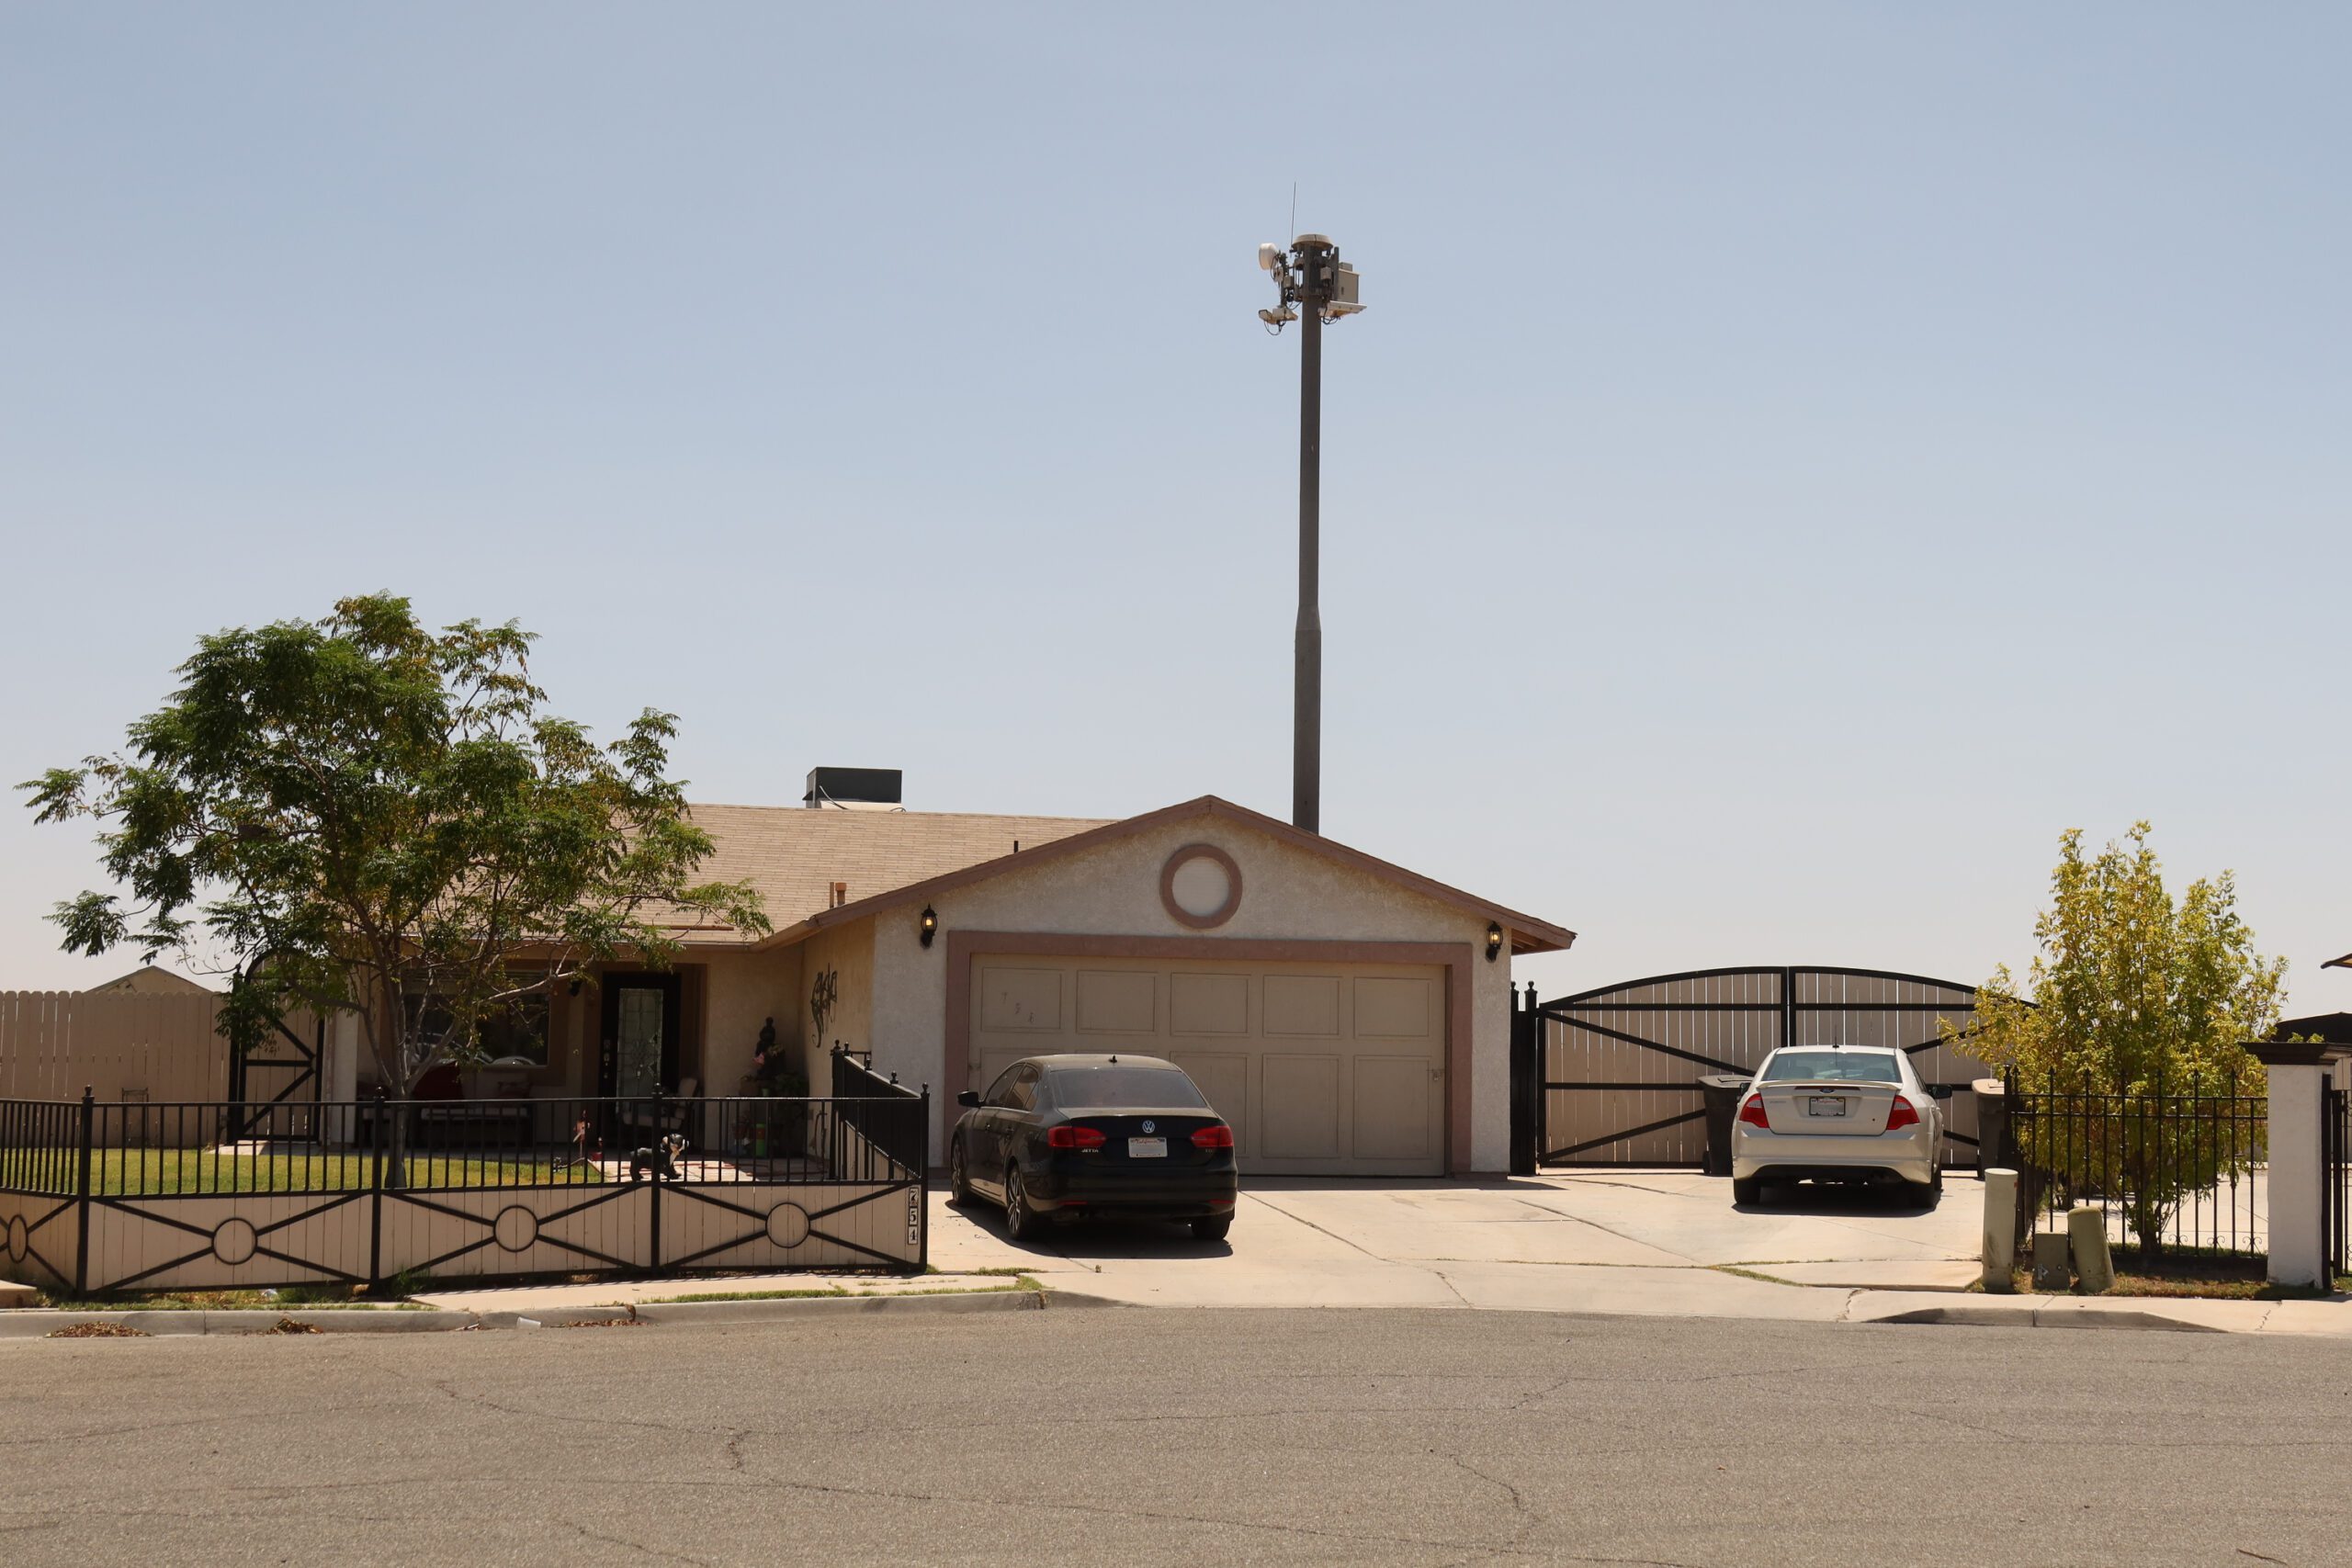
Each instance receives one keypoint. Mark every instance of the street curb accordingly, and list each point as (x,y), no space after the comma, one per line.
(39,1322)
(553,1317)
(837,1306)
(1057,1297)
(2038,1317)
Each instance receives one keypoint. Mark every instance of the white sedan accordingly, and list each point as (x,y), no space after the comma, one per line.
(1837,1114)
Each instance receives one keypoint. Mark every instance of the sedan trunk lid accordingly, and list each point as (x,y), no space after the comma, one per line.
(1827,1108)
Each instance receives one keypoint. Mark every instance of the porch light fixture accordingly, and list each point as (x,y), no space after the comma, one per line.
(1494,940)
(927,924)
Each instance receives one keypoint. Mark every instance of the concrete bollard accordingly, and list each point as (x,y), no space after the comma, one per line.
(2086,1238)
(2000,1229)
(2049,1261)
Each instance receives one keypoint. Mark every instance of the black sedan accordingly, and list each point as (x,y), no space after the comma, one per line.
(1066,1136)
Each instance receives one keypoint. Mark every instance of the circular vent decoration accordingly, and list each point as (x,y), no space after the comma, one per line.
(1200,886)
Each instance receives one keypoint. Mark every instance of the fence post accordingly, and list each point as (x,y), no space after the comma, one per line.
(653,1188)
(1526,1081)
(376,1198)
(82,1191)
(2298,1072)
(1993,1150)
(923,1168)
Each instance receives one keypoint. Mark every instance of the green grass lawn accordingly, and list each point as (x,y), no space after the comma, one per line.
(125,1173)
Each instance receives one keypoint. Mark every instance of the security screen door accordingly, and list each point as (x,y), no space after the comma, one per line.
(640,1066)
(640,1034)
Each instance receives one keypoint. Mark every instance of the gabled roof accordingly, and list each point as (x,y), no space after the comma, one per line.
(1525,932)
(794,855)
(149,980)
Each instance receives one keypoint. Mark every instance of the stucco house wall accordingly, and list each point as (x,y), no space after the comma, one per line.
(846,952)
(1288,894)
(741,990)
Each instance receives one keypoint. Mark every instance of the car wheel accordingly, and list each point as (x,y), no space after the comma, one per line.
(1020,1221)
(1924,1194)
(1212,1229)
(1937,1186)
(959,1180)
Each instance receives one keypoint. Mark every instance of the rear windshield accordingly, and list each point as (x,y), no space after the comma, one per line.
(1834,1067)
(1117,1084)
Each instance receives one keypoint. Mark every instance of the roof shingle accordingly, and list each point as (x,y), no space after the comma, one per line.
(794,855)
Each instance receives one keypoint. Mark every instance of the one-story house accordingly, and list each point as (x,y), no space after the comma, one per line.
(1349,1016)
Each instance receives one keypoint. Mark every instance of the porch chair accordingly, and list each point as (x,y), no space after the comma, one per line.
(674,1115)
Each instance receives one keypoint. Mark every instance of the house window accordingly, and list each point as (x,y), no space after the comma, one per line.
(514,1034)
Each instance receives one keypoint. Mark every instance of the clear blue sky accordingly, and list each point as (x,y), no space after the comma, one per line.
(1797,459)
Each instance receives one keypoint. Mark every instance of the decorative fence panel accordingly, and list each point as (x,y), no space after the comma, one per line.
(455,1188)
(2178,1171)
(40,1239)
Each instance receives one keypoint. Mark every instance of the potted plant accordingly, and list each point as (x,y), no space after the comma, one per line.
(776,1072)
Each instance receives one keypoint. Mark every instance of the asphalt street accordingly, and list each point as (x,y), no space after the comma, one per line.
(1136,1437)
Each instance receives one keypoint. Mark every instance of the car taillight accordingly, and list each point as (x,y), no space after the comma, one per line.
(1901,1114)
(1218,1136)
(1753,1112)
(1071,1137)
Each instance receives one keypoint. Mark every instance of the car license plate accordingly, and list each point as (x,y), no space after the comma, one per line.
(1826,1105)
(1147,1148)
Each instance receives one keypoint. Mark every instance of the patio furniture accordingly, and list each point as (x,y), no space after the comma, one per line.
(654,1117)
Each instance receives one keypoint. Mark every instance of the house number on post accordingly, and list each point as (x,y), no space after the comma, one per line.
(914,1219)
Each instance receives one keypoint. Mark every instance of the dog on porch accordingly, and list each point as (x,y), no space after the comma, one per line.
(661,1158)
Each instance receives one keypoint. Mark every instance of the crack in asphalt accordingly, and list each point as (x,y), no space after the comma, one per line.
(637,1546)
(1105,1511)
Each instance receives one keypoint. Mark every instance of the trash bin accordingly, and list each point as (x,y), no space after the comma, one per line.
(1721,1092)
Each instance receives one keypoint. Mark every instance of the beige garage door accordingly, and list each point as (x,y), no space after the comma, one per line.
(1322,1069)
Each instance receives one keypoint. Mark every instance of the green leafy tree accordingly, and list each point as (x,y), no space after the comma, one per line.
(380,820)
(2133,996)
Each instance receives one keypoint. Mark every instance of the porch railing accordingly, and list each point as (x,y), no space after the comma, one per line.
(893,1117)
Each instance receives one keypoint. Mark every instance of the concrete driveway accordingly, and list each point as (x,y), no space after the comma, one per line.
(1644,1242)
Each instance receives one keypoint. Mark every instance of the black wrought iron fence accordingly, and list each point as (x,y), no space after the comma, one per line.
(2179,1170)
(883,1112)
(40,1143)
(108,1195)
(173,1149)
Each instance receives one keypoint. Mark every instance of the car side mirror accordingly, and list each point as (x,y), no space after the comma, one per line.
(1939,1091)
(969,1096)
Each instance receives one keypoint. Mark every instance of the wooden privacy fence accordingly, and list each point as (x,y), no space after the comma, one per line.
(130,1046)
(55,1043)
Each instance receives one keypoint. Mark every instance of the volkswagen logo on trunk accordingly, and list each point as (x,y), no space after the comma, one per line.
(1148,1127)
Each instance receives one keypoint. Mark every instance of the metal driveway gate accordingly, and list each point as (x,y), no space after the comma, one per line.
(1622,1063)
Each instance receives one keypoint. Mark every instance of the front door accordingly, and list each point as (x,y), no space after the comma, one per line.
(640,1034)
